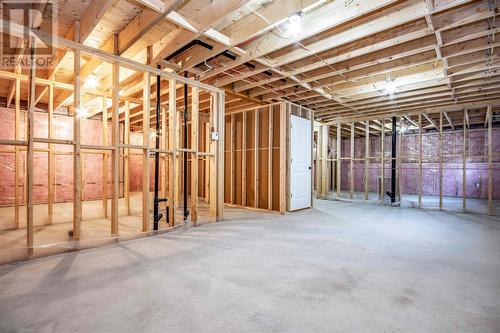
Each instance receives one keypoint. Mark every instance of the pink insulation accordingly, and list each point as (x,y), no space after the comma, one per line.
(92,163)
(476,167)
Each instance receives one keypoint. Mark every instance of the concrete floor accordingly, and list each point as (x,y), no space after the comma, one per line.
(53,238)
(341,267)
(451,204)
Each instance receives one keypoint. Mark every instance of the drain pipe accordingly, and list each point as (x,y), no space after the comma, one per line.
(186,211)
(157,216)
(392,193)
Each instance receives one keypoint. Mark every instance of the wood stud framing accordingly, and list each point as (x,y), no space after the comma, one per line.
(115,148)
(258,135)
(436,124)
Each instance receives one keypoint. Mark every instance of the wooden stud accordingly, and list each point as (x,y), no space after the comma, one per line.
(179,159)
(115,141)
(244,162)
(311,140)
(172,143)
(217,160)
(351,165)
(82,161)
(270,162)
(490,161)
(17,120)
(207,162)
(232,161)
(256,159)
(77,171)
(283,158)
(30,124)
(367,156)
(420,149)
(105,157)
(382,159)
(324,160)
(339,155)
(220,156)
(318,161)
(50,157)
(146,152)
(440,160)
(163,158)
(194,159)
(464,162)
(126,166)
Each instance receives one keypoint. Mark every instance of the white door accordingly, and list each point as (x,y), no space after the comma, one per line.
(301,168)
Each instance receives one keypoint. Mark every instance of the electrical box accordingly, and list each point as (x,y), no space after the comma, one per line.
(215,136)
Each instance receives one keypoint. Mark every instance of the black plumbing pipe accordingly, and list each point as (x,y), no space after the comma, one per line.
(186,212)
(392,194)
(157,216)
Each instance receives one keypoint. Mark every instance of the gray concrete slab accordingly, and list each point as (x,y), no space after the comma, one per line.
(340,267)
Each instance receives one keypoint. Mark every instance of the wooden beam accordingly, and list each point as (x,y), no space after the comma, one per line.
(420,149)
(17,120)
(145,154)
(256,157)
(367,157)
(30,126)
(115,141)
(205,19)
(270,161)
(351,165)
(50,157)
(21,45)
(77,170)
(464,161)
(322,167)
(440,160)
(172,145)
(105,157)
(283,156)
(382,159)
(244,161)
(87,23)
(313,24)
(194,159)
(491,208)
(219,109)
(232,161)
(339,155)
(449,119)
(126,161)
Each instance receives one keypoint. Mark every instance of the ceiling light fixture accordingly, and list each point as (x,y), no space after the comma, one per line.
(294,25)
(91,82)
(82,112)
(391,87)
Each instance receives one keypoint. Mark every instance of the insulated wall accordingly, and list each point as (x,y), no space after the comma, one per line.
(439,165)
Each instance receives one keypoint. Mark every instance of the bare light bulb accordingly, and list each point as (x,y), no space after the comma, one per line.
(294,26)
(91,82)
(82,112)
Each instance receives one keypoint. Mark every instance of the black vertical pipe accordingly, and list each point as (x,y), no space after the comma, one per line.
(186,212)
(157,217)
(393,161)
